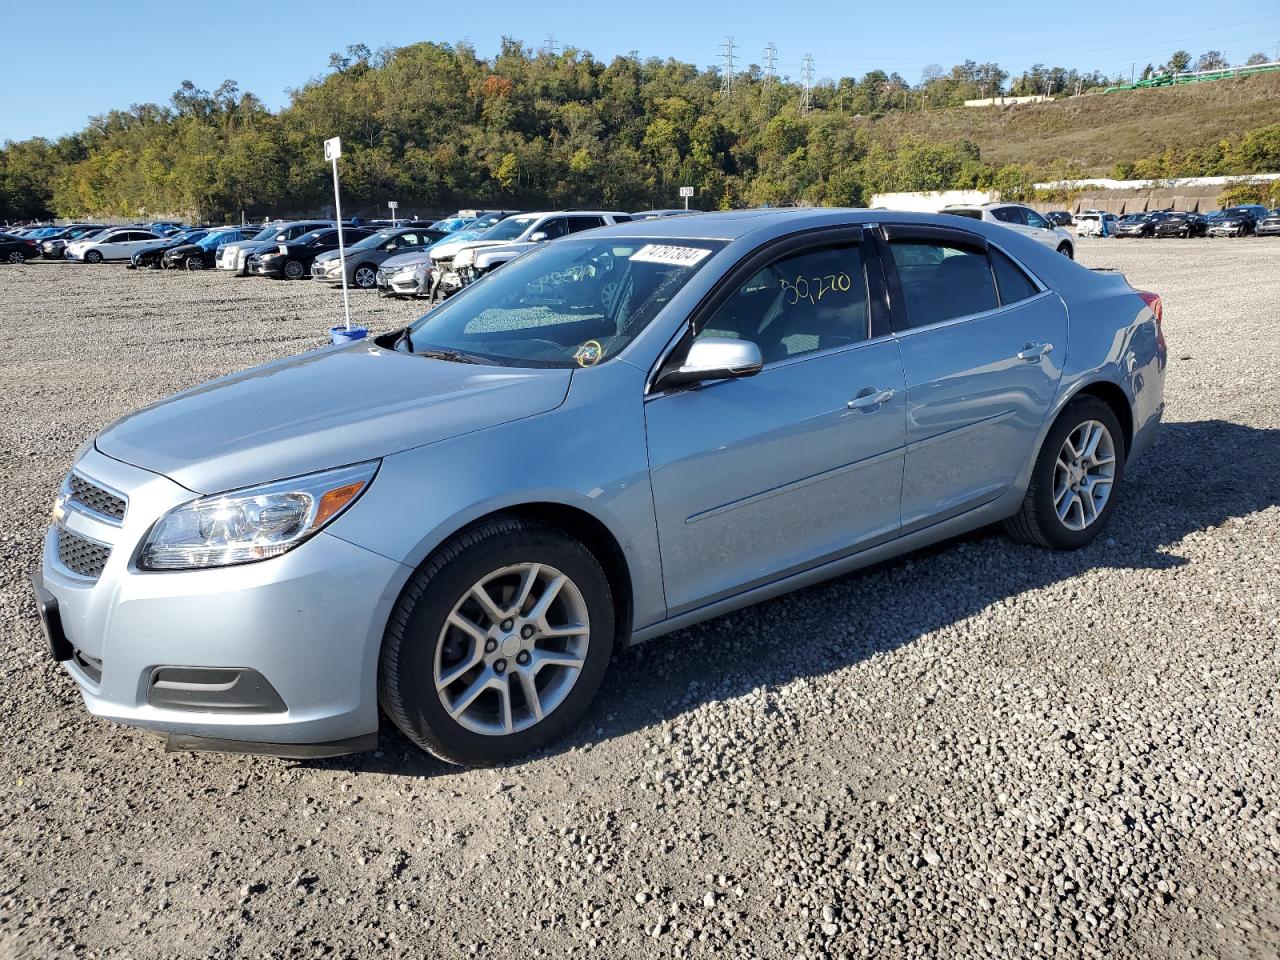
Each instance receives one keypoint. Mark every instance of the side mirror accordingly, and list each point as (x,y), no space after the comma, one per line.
(715,358)
(538,237)
(389,246)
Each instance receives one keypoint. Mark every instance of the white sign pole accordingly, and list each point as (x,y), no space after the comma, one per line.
(332,151)
(393,205)
(686,192)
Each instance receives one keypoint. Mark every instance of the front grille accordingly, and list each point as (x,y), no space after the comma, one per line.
(91,666)
(80,555)
(95,497)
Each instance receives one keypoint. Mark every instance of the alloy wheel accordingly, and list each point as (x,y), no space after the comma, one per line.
(1084,475)
(17,257)
(511,649)
(293,270)
(365,277)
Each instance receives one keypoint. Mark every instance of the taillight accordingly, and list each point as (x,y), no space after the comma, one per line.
(1153,301)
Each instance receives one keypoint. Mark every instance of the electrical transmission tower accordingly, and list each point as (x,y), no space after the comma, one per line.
(551,46)
(770,64)
(806,75)
(726,72)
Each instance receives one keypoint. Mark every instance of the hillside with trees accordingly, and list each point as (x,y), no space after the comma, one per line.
(434,126)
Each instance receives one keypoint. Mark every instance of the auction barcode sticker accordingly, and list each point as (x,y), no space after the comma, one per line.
(672,255)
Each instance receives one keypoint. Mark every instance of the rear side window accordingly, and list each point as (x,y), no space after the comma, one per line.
(941,282)
(1009,215)
(577,224)
(1012,283)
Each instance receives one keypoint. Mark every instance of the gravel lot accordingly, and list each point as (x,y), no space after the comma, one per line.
(983,750)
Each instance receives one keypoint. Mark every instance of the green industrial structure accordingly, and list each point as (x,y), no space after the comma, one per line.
(1198,76)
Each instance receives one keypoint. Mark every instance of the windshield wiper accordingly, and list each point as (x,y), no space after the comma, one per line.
(453,356)
(405,338)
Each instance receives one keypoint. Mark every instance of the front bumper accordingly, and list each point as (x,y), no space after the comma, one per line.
(264,268)
(402,284)
(320,272)
(1267,229)
(309,622)
(1235,231)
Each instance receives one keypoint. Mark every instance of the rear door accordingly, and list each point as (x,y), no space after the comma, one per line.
(983,344)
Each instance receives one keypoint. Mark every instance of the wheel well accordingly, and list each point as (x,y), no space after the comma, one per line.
(1114,398)
(597,538)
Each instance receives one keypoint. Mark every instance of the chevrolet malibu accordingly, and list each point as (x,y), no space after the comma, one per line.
(616,435)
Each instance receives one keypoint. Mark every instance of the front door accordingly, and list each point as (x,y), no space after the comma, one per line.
(764,476)
(982,347)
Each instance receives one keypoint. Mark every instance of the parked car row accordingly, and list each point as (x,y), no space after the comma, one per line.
(1240,221)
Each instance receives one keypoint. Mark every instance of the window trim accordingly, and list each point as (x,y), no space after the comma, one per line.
(917,232)
(754,261)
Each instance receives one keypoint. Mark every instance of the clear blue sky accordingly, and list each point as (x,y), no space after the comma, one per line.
(140,50)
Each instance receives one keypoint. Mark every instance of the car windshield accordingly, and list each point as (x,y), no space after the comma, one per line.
(508,229)
(312,237)
(374,240)
(573,303)
(189,236)
(214,238)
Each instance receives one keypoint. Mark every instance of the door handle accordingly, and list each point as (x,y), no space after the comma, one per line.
(1032,351)
(869,397)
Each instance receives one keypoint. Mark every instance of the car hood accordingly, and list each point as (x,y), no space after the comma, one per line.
(446,251)
(326,408)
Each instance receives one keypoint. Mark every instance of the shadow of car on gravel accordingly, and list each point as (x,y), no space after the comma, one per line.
(1200,475)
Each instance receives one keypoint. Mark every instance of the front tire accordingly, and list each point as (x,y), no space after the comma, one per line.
(365,276)
(1075,478)
(293,270)
(195,263)
(498,643)
(93,256)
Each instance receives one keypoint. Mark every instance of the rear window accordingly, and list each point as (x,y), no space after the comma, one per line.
(1012,283)
(941,282)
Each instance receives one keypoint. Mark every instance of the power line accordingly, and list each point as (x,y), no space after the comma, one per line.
(806,75)
(726,73)
(770,64)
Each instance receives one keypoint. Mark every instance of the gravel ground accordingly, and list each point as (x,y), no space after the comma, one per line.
(982,750)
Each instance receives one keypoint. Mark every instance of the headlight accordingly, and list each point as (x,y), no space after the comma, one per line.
(254,523)
(463,258)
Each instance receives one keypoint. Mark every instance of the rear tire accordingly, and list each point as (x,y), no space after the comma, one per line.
(440,629)
(1069,500)
(17,257)
(1066,251)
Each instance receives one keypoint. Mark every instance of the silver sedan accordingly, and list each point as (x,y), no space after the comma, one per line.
(616,435)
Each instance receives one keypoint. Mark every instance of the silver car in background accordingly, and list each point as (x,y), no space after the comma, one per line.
(234,257)
(615,436)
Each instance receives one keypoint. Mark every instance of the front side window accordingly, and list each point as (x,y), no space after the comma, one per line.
(570,304)
(553,229)
(807,301)
(1035,220)
(941,282)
